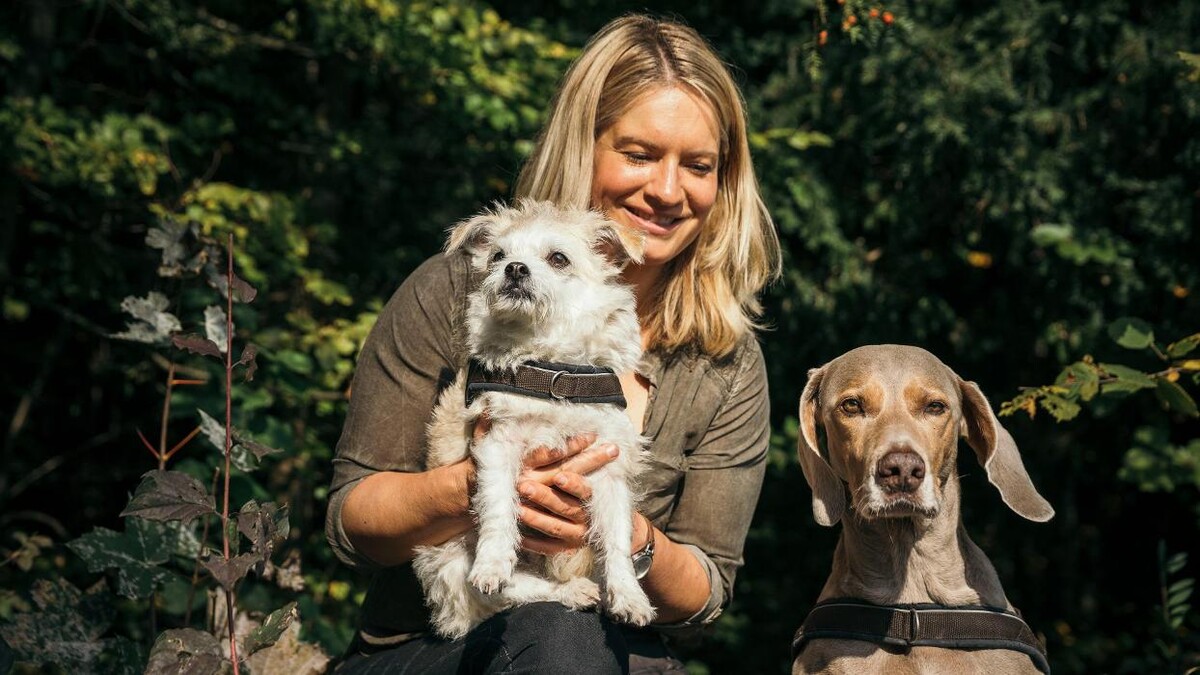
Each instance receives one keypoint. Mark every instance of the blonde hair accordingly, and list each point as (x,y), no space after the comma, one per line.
(709,292)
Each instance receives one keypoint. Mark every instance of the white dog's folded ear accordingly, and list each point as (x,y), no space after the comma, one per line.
(829,497)
(997,452)
(619,243)
(474,234)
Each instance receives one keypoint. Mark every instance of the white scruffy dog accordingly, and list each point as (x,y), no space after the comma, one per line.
(551,292)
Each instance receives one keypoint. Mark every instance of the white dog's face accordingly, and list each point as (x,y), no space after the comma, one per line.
(548,274)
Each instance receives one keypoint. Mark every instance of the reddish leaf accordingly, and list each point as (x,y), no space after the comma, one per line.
(248,356)
(198,345)
(169,495)
(265,525)
(229,572)
(242,291)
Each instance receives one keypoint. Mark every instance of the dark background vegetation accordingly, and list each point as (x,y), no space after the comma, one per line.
(994,181)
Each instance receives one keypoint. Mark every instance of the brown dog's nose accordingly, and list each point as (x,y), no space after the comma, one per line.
(900,471)
(516,271)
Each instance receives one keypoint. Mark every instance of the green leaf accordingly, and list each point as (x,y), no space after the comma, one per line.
(1175,397)
(1081,378)
(1131,333)
(135,554)
(1126,379)
(1182,348)
(169,495)
(1176,562)
(271,629)
(1060,408)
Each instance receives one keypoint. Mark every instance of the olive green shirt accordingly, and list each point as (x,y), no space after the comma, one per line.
(706,419)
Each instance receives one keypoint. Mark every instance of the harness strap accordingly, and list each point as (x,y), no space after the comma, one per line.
(550,381)
(921,626)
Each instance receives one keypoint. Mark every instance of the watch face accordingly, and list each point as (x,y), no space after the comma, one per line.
(641,565)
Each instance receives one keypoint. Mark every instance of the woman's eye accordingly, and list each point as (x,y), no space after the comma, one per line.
(935,408)
(637,157)
(701,169)
(851,406)
(558,260)
(497,256)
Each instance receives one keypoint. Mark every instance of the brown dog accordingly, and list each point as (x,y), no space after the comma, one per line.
(909,591)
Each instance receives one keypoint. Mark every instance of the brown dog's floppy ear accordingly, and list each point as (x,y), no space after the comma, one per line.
(829,497)
(997,452)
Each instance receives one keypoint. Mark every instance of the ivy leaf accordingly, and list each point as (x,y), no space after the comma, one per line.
(1131,333)
(135,553)
(216,327)
(1182,348)
(65,628)
(185,650)
(1175,397)
(1126,379)
(265,526)
(197,345)
(271,629)
(229,572)
(153,325)
(169,495)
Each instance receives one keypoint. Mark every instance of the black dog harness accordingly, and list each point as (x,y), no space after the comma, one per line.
(549,381)
(921,625)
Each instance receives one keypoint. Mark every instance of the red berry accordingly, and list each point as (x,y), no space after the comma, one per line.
(888,18)
(822,37)
(874,13)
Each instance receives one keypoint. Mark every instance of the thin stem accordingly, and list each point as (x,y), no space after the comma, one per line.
(233,657)
(166,414)
(187,616)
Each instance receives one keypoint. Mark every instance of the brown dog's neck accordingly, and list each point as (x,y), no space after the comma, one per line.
(913,560)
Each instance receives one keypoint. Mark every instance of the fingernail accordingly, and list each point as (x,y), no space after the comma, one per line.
(611,450)
(560,480)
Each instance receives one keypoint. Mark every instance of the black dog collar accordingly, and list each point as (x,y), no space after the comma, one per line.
(923,625)
(549,381)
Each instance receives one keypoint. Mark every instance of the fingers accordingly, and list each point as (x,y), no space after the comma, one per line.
(564,533)
(542,457)
(585,463)
(563,503)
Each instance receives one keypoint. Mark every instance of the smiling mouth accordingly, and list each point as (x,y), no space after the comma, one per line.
(654,224)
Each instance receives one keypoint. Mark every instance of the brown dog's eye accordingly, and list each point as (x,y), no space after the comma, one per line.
(935,408)
(851,406)
(558,260)
(497,256)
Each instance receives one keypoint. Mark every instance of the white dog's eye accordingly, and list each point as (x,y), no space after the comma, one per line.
(497,256)
(851,406)
(557,260)
(935,408)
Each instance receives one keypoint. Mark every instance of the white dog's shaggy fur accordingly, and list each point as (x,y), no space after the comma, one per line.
(570,308)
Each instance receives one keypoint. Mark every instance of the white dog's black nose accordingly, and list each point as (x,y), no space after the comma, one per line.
(900,471)
(516,271)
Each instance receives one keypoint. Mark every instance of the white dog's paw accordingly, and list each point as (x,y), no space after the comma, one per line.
(629,605)
(490,576)
(579,593)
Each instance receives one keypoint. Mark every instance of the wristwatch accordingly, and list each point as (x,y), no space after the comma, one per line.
(643,559)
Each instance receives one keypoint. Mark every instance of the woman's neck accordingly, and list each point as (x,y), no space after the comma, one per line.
(644,280)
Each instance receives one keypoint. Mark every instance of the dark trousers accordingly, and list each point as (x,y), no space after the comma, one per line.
(544,638)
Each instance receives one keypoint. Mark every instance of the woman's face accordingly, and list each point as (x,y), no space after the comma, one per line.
(655,169)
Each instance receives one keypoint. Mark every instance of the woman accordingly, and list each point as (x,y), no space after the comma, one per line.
(648,127)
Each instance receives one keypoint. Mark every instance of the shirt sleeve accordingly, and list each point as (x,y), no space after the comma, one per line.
(407,359)
(722,483)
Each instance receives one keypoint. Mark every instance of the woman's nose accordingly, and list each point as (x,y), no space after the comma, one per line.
(663,186)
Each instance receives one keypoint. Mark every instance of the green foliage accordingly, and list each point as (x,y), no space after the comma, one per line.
(997,182)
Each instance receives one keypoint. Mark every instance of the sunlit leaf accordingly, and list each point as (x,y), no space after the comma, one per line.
(272,628)
(1125,379)
(216,328)
(169,495)
(1131,333)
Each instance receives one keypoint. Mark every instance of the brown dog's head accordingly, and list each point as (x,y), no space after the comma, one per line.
(891,417)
